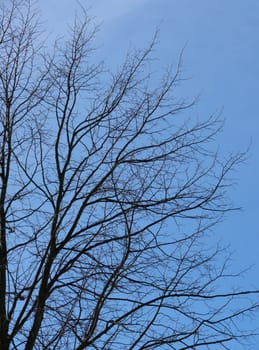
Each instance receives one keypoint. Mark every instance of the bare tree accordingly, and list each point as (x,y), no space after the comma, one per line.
(107,198)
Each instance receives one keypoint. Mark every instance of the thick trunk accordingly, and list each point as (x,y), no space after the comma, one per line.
(4,342)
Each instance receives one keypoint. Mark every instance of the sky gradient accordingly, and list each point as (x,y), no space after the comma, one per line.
(221,63)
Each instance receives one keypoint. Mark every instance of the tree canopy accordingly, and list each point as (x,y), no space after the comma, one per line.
(108,197)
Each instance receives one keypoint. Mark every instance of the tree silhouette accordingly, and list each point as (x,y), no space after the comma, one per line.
(107,199)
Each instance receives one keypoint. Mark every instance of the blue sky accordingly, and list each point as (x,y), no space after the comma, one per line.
(221,40)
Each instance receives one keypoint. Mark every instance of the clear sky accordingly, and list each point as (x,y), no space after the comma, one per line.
(221,39)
